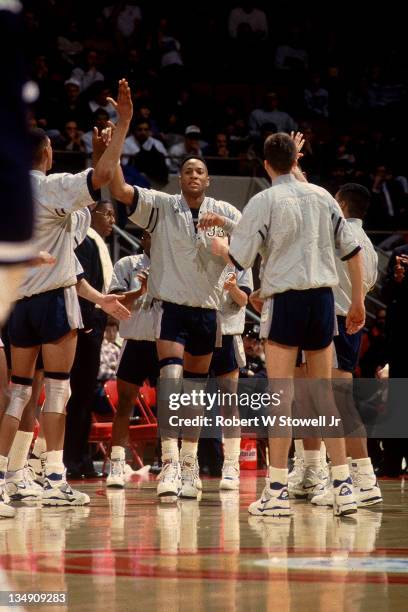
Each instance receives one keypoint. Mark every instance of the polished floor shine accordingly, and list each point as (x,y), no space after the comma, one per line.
(128,552)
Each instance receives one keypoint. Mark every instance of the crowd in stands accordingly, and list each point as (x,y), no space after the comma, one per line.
(217,79)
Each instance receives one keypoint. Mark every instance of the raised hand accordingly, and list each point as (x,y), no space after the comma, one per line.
(299,141)
(123,105)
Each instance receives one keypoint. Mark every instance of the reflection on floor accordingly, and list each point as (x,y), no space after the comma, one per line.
(128,552)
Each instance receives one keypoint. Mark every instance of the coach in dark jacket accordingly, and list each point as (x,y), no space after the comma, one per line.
(95,260)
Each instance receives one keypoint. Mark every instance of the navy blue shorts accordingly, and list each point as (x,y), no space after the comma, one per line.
(139,362)
(39,319)
(303,318)
(195,328)
(347,346)
(224,360)
(39,364)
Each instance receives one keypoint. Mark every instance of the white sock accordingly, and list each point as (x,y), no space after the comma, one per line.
(3,465)
(323,453)
(40,447)
(312,458)
(232,449)
(278,475)
(188,448)
(19,450)
(299,449)
(340,472)
(170,450)
(364,466)
(118,452)
(54,461)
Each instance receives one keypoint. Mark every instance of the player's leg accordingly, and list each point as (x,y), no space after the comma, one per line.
(23,361)
(280,366)
(58,358)
(365,483)
(171,356)
(21,483)
(320,368)
(201,327)
(224,367)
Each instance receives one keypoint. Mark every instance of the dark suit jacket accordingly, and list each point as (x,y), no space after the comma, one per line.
(88,255)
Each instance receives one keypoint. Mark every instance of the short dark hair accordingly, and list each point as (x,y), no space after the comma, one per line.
(280,152)
(357,198)
(140,121)
(100,111)
(38,142)
(188,157)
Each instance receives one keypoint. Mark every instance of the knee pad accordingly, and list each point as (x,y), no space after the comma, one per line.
(171,367)
(20,393)
(57,392)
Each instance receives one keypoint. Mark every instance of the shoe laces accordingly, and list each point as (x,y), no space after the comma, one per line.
(117,467)
(169,471)
(189,468)
(230,470)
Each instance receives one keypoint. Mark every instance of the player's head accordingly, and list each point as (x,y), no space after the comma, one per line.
(194,178)
(354,200)
(103,218)
(280,154)
(41,149)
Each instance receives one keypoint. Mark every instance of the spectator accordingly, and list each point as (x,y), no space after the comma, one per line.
(220,150)
(190,146)
(110,352)
(390,202)
(100,120)
(169,47)
(95,259)
(69,44)
(270,113)
(316,98)
(88,74)
(148,154)
(68,108)
(246,14)
(71,138)
(126,17)
(98,98)
(292,56)
(101,40)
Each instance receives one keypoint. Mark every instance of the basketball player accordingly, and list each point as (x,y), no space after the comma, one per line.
(226,361)
(138,360)
(354,200)
(47,316)
(186,280)
(297,226)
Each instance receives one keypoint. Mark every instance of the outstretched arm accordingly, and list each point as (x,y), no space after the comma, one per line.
(109,303)
(105,168)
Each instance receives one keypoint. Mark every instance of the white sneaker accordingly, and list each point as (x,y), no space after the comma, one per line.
(313,479)
(230,476)
(20,486)
(323,496)
(6,511)
(273,502)
(366,487)
(57,492)
(296,475)
(169,480)
(116,477)
(36,466)
(344,501)
(191,484)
